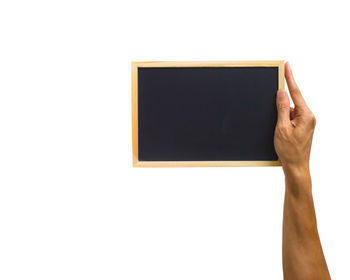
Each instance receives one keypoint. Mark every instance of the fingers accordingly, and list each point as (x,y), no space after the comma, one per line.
(283,107)
(293,87)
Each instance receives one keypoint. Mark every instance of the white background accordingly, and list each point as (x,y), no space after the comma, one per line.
(72,206)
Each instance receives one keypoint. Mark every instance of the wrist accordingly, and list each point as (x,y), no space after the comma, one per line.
(297,178)
(296,170)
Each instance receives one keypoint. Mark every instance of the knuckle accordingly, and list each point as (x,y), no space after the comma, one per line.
(283,106)
(311,118)
(295,91)
(314,121)
(283,130)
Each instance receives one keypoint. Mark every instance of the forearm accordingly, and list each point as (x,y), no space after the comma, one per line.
(302,252)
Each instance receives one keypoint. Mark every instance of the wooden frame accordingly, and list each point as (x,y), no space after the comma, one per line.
(134,102)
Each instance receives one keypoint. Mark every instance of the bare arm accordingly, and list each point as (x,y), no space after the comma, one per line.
(302,252)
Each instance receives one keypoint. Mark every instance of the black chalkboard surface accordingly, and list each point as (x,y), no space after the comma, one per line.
(206,115)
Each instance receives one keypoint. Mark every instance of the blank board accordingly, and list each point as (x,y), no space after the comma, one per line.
(205,113)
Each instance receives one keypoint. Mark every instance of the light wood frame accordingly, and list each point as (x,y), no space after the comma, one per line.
(134,102)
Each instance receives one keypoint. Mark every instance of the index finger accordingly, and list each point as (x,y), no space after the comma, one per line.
(293,87)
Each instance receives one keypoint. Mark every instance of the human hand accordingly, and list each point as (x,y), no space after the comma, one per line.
(295,127)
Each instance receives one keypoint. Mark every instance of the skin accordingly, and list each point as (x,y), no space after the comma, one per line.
(303,257)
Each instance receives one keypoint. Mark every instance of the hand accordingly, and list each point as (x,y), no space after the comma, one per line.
(295,127)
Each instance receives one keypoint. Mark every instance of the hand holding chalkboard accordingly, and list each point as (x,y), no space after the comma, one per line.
(295,127)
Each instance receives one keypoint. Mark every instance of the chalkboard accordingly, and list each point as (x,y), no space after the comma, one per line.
(205,115)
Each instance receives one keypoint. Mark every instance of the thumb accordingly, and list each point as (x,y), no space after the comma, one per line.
(283,106)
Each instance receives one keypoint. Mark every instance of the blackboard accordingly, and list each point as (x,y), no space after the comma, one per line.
(205,115)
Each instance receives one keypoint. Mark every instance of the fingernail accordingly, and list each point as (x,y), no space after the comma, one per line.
(281,93)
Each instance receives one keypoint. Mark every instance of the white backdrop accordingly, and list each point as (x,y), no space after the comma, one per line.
(72,206)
